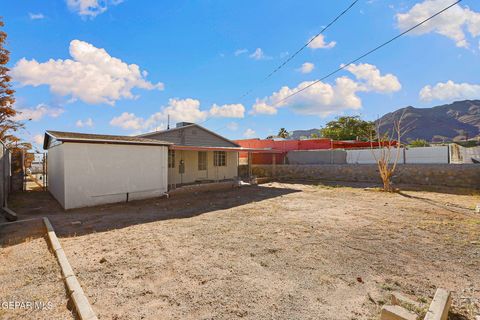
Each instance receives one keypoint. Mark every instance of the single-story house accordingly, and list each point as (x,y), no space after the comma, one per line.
(91,169)
(197,154)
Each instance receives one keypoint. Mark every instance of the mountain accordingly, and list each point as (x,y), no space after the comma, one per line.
(297,134)
(449,122)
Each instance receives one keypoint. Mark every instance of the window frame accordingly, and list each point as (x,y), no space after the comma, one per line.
(202,160)
(219,158)
(171,159)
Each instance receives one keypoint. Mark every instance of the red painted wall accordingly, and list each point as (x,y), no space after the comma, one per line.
(289,145)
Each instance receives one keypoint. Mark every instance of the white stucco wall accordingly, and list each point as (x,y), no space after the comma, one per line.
(369,156)
(437,154)
(56,173)
(192,173)
(105,173)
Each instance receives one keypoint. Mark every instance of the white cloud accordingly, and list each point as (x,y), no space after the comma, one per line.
(179,110)
(233,126)
(84,123)
(37,113)
(93,76)
(240,52)
(307,67)
(261,107)
(323,99)
(128,121)
(374,81)
(249,133)
(449,91)
(36,16)
(38,139)
(454,23)
(319,43)
(90,8)
(258,54)
(228,111)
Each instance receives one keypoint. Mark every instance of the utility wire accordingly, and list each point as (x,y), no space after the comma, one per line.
(367,53)
(280,66)
(302,48)
(364,55)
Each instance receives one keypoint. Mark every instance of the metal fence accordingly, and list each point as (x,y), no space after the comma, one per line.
(5,173)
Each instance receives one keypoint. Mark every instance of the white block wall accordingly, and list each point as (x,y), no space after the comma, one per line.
(427,155)
(367,156)
(410,156)
(84,174)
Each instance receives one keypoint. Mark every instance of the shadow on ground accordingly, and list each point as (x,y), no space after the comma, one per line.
(76,222)
(401,187)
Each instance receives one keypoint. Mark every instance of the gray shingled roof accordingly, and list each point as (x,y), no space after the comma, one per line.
(100,138)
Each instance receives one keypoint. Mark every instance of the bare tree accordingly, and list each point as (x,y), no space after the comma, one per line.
(389,146)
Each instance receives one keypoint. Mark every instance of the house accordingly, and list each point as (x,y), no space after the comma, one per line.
(197,154)
(91,169)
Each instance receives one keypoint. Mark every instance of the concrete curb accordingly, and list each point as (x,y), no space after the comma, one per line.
(440,305)
(74,290)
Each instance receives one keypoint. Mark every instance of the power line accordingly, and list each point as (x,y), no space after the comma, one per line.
(280,66)
(302,48)
(363,55)
(367,53)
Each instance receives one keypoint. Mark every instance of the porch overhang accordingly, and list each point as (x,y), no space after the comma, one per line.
(233,149)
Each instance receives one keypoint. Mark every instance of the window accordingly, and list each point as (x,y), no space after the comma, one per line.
(219,158)
(202,160)
(171,158)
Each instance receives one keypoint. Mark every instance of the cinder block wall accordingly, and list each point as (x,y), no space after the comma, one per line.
(465,176)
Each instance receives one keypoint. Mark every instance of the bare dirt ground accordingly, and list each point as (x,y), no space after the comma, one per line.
(29,273)
(276,251)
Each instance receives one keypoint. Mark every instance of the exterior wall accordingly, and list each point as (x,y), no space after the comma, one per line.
(459,154)
(108,173)
(466,176)
(192,174)
(56,173)
(317,157)
(427,155)
(411,155)
(296,145)
(192,136)
(368,156)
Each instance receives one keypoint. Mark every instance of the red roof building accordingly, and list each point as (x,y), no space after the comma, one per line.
(284,146)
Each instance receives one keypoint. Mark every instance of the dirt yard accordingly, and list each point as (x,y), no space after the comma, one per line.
(29,273)
(276,251)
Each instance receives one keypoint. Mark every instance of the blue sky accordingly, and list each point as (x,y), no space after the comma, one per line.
(202,56)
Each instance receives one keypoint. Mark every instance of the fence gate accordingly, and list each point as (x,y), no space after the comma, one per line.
(35,172)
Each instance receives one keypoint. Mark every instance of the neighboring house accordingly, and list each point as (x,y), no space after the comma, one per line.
(282,147)
(197,154)
(91,169)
